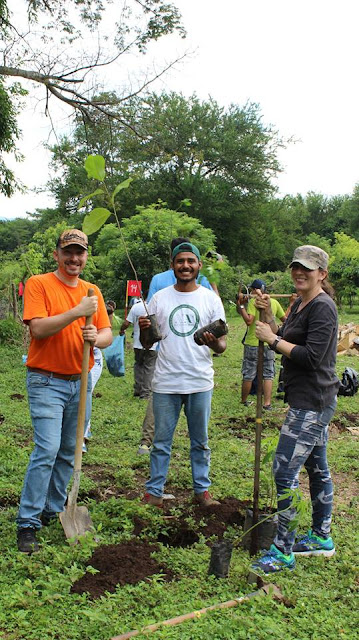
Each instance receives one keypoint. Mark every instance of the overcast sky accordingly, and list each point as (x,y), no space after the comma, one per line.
(297,58)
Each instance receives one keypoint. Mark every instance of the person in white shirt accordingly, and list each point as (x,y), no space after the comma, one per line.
(183,372)
(145,359)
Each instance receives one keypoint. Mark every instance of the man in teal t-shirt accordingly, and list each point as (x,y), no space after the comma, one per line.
(250,357)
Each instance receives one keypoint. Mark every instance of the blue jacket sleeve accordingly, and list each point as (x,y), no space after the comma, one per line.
(153,288)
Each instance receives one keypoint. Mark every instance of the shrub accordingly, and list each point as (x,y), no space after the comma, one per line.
(11,331)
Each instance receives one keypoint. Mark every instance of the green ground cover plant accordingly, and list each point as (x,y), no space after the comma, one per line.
(36,601)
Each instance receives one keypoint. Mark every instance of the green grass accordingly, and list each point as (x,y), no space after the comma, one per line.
(35,600)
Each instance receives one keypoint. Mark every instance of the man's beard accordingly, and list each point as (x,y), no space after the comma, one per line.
(194,276)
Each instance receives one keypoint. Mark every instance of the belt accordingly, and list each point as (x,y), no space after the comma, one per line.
(52,374)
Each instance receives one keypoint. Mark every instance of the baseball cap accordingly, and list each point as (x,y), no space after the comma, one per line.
(257,284)
(310,257)
(73,236)
(186,246)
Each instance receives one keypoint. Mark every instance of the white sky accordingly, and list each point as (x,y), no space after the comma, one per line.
(297,58)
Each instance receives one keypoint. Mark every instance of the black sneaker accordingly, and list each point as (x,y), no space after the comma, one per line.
(26,540)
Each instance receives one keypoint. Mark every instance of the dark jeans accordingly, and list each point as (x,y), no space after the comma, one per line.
(303,441)
(145,360)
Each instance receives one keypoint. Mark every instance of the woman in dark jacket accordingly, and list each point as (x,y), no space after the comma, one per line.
(308,342)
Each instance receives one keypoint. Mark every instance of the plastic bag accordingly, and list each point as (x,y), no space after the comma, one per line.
(115,357)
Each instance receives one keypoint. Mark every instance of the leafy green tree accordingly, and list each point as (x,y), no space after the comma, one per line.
(344,267)
(319,241)
(148,235)
(349,213)
(9,133)
(178,148)
(15,233)
(62,47)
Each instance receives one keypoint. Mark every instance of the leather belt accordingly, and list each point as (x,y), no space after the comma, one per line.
(52,374)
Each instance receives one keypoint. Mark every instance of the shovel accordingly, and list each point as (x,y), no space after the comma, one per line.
(76,520)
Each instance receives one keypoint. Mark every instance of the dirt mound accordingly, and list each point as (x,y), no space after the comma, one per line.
(131,562)
(218,518)
(120,564)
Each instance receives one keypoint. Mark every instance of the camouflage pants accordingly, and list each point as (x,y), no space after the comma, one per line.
(303,441)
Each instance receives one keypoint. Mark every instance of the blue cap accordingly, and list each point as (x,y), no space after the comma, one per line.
(257,284)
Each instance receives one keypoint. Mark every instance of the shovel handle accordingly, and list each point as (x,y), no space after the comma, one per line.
(83,394)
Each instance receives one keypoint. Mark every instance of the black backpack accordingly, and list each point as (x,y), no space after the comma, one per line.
(349,383)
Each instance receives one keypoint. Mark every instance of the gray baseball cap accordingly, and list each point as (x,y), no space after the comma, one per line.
(310,257)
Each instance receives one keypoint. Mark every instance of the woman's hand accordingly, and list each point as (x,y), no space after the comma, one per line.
(262,302)
(264,332)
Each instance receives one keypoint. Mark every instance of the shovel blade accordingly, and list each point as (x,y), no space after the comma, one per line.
(76,522)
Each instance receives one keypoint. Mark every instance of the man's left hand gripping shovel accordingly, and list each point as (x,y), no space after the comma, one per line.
(76,520)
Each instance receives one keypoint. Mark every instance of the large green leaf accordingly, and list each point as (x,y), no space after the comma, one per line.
(123,185)
(95,167)
(94,220)
(90,195)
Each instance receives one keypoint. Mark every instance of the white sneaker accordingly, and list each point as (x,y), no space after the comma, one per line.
(143,448)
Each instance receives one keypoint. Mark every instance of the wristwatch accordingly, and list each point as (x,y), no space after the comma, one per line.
(241,306)
(273,346)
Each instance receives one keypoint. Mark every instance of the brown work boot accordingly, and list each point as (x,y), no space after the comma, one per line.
(154,501)
(205,499)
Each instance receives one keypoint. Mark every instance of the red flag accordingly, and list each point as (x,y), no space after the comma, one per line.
(134,288)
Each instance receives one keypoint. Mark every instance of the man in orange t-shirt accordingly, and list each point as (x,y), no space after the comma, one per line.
(55,308)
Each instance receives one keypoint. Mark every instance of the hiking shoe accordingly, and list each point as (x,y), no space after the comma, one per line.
(26,540)
(143,448)
(313,545)
(47,519)
(247,403)
(267,407)
(273,560)
(205,499)
(154,501)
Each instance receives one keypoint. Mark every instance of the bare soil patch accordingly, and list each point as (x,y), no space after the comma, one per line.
(120,564)
(132,561)
(340,425)
(17,396)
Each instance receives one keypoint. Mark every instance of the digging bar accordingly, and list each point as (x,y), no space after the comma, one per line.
(257,451)
(76,520)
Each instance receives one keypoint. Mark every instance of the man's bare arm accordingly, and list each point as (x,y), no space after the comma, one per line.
(46,327)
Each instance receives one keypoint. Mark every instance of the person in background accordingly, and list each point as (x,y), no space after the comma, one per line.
(56,305)
(96,373)
(145,359)
(184,371)
(308,342)
(250,341)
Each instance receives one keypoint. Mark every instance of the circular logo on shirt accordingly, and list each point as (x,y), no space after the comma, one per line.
(184,320)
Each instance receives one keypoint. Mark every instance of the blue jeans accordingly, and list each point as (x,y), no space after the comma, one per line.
(303,441)
(53,408)
(166,409)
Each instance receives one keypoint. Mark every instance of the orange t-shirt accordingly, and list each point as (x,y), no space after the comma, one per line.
(45,296)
